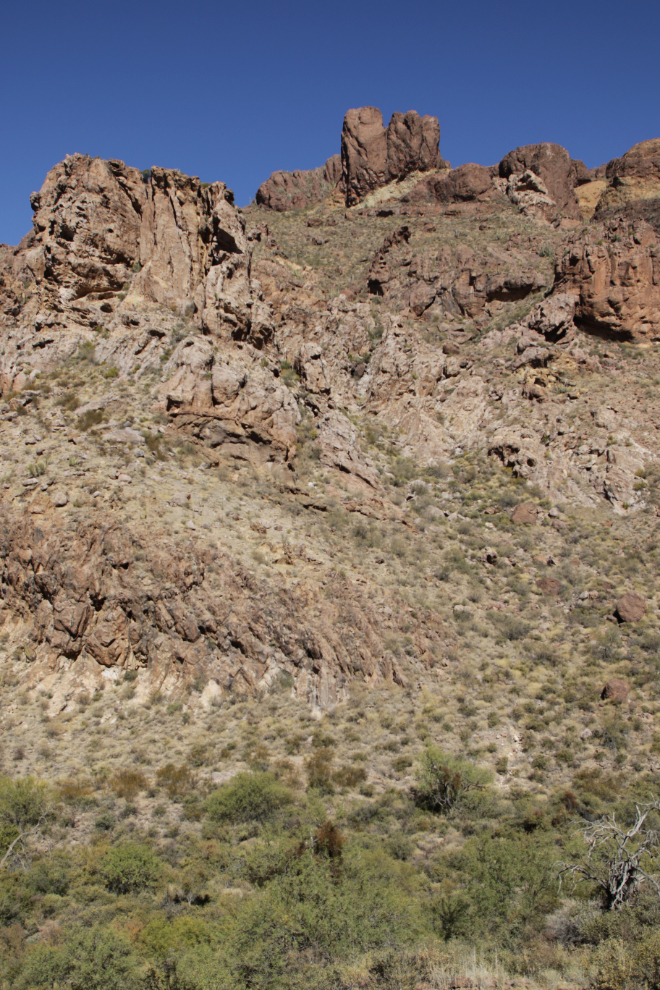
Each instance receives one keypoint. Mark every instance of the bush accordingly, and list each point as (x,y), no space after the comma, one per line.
(97,958)
(177,781)
(248,797)
(128,783)
(319,770)
(89,419)
(129,868)
(444,780)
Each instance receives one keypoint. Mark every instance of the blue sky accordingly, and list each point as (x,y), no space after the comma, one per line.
(235,91)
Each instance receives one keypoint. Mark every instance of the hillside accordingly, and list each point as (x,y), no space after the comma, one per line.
(329,597)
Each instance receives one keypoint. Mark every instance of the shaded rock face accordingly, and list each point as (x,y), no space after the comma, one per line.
(373,156)
(299,189)
(559,173)
(614,273)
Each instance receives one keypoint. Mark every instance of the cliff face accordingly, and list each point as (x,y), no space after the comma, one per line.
(344,342)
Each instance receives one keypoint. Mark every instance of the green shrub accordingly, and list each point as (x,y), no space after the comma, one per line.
(444,780)
(97,958)
(129,868)
(248,797)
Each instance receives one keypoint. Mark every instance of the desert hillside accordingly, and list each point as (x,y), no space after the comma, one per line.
(329,598)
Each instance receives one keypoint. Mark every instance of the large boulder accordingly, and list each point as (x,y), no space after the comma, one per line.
(467,183)
(299,189)
(631,607)
(615,690)
(559,173)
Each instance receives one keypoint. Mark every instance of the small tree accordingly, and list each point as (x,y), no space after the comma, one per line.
(619,860)
(444,780)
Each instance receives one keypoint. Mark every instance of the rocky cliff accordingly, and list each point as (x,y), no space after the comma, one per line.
(319,360)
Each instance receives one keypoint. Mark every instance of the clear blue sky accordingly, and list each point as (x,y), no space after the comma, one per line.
(235,91)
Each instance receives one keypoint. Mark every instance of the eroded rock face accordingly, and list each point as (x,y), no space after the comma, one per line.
(373,156)
(106,592)
(614,273)
(299,189)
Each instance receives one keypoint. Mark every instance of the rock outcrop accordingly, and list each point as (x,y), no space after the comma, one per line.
(558,172)
(299,189)
(373,156)
(614,273)
(635,176)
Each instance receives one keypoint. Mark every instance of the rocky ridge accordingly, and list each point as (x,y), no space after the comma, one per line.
(371,326)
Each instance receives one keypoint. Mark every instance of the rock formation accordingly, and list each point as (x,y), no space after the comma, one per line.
(413,322)
(297,190)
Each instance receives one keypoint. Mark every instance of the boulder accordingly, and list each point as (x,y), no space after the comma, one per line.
(524,514)
(467,183)
(549,586)
(615,690)
(60,499)
(299,189)
(630,608)
(553,165)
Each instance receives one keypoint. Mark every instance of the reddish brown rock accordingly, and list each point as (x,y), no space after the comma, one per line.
(524,514)
(614,272)
(300,189)
(555,167)
(630,608)
(548,585)
(467,183)
(615,690)
(635,176)
(373,156)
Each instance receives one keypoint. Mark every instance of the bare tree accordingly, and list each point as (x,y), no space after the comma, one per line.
(619,860)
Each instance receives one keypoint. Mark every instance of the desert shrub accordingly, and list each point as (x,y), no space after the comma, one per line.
(129,868)
(248,797)
(24,803)
(96,958)
(349,776)
(511,627)
(443,780)
(128,783)
(49,876)
(622,966)
(90,418)
(69,400)
(177,781)
(318,767)
(76,791)
(200,755)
